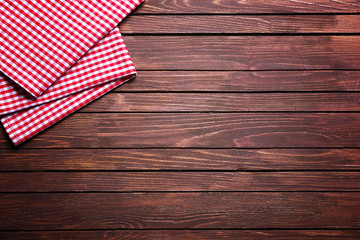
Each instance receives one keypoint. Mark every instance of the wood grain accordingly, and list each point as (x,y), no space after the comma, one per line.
(178,181)
(179,210)
(248,6)
(199,24)
(225,102)
(243,81)
(111,173)
(244,52)
(205,130)
(185,234)
(179,159)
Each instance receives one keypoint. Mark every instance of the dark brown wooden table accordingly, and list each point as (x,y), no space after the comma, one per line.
(244,123)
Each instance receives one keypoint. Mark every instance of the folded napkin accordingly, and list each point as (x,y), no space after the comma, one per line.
(42,39)
(108,62)
(102,68)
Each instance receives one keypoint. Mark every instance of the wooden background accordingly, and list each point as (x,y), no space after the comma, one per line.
(244,123)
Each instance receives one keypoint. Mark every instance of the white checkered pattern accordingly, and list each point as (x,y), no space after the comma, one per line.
(25,124)
(42,39)
(105,66)
(106,61)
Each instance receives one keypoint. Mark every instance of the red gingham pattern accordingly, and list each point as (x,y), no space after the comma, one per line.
(106,61)
(98,70)
(42,39)
(26,124)
(103,68)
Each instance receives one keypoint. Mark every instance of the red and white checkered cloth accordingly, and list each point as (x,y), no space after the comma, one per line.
(42,39)
(102,68)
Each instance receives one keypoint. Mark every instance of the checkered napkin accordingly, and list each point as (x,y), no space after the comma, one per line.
(93,72)
(42,39)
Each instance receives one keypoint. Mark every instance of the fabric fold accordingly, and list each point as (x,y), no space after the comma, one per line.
(106,61)
(105,67)
(95,70)
(41,40)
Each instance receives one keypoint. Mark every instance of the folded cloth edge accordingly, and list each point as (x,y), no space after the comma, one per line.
(100,65)
(126,7)
(60,103)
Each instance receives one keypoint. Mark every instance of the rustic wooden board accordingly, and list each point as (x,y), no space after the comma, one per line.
(243,81)
(179,159)
(219,137)
(225,102)
(178,181)
(179,210)
(244,52)
(204,130)
(178,234)
(248,6)
(169,24)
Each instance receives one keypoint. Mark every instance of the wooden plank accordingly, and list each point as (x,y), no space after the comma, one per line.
(248,6)
(241,24)
(178,181)
(186,234)
(179,210)
(225,102)
(244,52)
(206,130)
(179,159)
(243,81)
